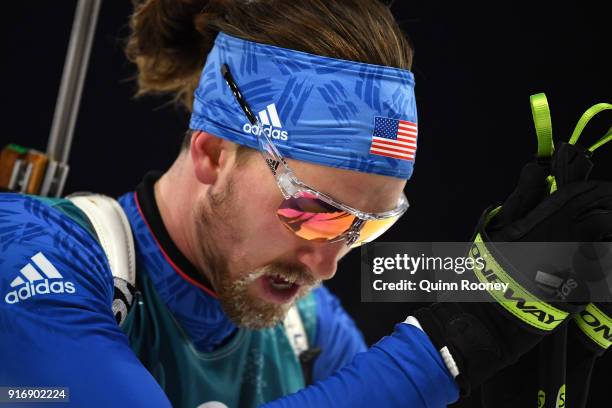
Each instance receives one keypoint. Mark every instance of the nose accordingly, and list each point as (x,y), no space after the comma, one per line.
(322,258)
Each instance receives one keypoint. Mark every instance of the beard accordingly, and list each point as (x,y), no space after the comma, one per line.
(232,286)
(246,310)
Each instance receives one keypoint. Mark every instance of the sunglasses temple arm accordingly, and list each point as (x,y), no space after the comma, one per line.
(229,79)
(276,159)
(227,75)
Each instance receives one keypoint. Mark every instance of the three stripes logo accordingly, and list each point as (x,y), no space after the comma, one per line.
(270,123)
(32,281)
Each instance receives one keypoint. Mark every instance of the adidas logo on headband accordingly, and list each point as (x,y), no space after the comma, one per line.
(271,124)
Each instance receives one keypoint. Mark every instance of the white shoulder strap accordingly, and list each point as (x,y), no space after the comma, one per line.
(115,236)
(294,328)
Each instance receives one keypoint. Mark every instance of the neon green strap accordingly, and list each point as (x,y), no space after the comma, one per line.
(605,139)
(543,124)
(596,325)
(586,117)
(515,299)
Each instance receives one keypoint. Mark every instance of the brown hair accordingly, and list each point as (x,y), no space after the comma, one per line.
(170,39)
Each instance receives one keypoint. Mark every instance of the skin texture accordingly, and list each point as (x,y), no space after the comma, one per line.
(222,217)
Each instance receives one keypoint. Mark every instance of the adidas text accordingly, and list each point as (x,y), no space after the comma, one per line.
(30,289)
(268,130)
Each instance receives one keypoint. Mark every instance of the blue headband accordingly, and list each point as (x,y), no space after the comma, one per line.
(333,112)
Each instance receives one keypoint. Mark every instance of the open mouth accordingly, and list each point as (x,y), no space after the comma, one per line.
(278,289)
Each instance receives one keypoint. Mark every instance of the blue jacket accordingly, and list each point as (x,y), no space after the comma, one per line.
(57,328)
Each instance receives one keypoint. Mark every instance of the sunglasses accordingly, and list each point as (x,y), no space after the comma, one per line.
(306,212)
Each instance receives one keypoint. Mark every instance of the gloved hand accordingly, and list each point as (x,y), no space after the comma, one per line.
(531,375)
(482,338)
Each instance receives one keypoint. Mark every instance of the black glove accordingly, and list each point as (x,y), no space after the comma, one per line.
(520,384)
(485,337)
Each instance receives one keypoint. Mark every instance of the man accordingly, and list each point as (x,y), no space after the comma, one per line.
(230,237)
(213,259)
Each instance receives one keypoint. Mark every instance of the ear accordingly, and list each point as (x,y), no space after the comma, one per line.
(209,155)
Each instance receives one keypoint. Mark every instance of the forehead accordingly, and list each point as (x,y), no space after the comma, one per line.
(366,192)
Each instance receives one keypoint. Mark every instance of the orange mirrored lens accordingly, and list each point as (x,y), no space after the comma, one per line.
(313,219)
(373,229)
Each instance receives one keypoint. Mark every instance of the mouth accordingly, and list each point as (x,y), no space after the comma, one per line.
(277,289)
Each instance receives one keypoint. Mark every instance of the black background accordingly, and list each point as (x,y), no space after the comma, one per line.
(475,68)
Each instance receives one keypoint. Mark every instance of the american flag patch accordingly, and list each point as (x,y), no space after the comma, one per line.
(394,138)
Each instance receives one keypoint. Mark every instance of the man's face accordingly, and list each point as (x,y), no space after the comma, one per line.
(258,267)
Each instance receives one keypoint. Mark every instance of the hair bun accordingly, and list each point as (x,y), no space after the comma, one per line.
(168,48)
